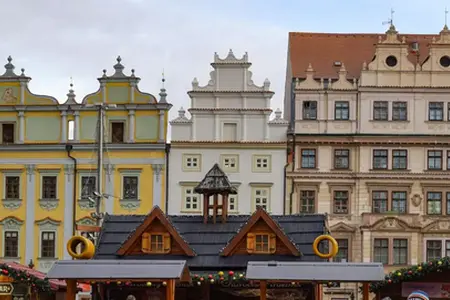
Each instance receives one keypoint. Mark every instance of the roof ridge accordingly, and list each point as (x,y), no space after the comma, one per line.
(375,34)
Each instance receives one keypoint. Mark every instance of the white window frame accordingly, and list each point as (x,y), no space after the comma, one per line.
(184,188)
(261,187)
(223,157)
(12,173)
(187,156)
(15,130)
(48,225)
(236,200)
(91,173)
(113,119)
(130,173)
(43,173)
(443,245)
(11,224)
(256,169)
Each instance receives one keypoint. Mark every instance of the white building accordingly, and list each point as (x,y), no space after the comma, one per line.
(230,126)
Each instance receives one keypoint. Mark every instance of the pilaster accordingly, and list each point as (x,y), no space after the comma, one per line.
(30,210)
(103,88)
(69,203)
(131,125)
(216,127)
(157,183)
(162,123)
(132,90)
(76,126)
(109,187)
(23,86)
(21,116)
(64,127)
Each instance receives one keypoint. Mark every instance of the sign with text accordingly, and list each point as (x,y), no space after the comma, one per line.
(433,289)
(6,289)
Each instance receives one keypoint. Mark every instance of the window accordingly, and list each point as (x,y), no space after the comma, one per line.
(448,203)
(49,187)
(261,163)
(229,131)
(399,159)
(342,255)
(230,163)
(435,111)
(308,159)
(261,197)
(11,244)
(382,204)
(399,202)
(379,201)
(232,203)
(307,202)
(381,251)
(7,133)
(48,244)
(191,200)
(309,110)
(437,248)
(12,187)
(434,203)
(341,159)
(448,159)
(434,159)
(380,159)
(400,251)
(340,201)
(71,130)
(156,243)
(341,110)
(87,186)
(117,132)
(399,111)
(380,110)
(261,243)
(130,188)
(192,162)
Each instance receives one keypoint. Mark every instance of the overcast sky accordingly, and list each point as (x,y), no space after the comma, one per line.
(58,39)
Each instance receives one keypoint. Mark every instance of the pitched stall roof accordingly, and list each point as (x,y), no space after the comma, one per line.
(321,50)
(320,271)
(215,181)
(209,240)
(118,269)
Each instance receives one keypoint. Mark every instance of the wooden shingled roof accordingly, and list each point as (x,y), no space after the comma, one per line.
(215,181)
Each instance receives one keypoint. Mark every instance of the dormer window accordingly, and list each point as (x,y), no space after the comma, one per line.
(261,243)
(156,243)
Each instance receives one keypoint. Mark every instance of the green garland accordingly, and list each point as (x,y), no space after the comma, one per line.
(413,273)
(19,276)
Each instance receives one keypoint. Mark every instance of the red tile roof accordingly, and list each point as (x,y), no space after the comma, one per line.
(321,50)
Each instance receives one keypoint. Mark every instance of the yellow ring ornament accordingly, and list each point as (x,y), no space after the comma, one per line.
(333,250)
(88,249)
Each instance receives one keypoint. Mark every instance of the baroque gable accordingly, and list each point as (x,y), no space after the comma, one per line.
(342,227)
(390,224)
(437,226)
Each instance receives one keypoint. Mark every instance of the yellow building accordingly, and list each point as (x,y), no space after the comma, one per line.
(48,161)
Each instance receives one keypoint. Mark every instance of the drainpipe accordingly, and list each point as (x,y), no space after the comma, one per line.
(167,176)
(69,148)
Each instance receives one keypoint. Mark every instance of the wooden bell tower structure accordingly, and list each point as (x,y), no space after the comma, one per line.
(216,187)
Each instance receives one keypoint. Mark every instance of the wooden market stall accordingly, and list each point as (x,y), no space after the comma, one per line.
(25,283)
(318,273)
(432,277)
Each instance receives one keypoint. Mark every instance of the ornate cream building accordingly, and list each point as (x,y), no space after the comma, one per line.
(370,121)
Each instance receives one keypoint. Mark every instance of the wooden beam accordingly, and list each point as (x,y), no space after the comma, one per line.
(263,290)
(71,291)
(88,228)
(318,291)
(170,289)
(365,291)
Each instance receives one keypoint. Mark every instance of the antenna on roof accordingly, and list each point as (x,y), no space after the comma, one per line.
(391,20)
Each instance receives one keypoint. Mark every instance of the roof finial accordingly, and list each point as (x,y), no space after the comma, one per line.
(390,21)
(163,94)
(71,94)
(119,68)
(9,68)
(163,79)
(446,15)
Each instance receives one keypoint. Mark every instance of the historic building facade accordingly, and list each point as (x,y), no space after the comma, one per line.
(48,161)
(369,117)
(229,125)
